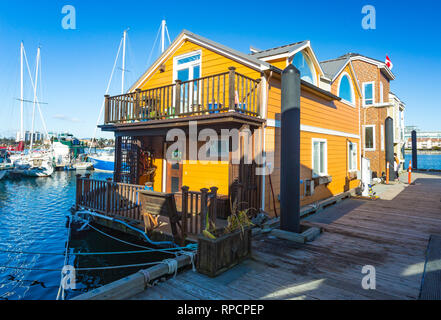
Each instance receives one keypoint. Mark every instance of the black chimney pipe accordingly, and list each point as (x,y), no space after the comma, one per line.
(290,151)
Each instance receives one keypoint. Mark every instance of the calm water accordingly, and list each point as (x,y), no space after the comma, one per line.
(33,218)
(425,161)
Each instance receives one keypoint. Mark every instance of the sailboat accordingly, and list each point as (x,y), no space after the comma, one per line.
(105,161)
(33,164)
(6,164)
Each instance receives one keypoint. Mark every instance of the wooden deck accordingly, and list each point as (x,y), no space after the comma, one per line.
(391,235)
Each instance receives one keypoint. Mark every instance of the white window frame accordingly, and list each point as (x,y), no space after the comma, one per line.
(177,67)
(320,174)
(350,169)
(310,63)
(352,104)
(373,93)
(373,138)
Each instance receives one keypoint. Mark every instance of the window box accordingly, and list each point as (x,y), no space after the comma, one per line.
(322,180)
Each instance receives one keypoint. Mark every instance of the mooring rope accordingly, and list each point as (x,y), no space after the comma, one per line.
(160,243)
(192,255)
(66,260)
(172,265)
(192,246)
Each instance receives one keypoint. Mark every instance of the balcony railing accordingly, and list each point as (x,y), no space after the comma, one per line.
(224,92)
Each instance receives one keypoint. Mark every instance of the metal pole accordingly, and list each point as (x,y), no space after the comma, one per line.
(290,151)
(162,36)
(35,99)
(21,93)
(414,150)
(389,139)
(123,61)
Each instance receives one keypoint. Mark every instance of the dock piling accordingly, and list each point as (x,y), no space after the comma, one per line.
(290,151)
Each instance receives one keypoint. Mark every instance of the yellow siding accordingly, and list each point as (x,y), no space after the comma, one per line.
(198,176)
(211,63)
(315,112)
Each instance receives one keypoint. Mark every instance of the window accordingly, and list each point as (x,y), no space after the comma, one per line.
(352,156)
(369,138)
(187,66)
(302,63)
(345,90)
(319,157)
(368,93)
(218,149)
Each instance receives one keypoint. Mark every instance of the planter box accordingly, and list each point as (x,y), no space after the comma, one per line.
(216,256)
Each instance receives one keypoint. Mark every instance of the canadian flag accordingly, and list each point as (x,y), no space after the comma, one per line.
(389,63)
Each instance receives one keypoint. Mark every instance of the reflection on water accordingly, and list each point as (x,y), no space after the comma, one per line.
(33,218)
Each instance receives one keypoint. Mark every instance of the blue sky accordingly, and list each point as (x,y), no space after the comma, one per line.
(76,64)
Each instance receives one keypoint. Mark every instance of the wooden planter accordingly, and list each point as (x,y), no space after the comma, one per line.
(216,256)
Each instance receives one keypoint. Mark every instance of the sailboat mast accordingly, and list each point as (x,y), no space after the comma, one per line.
(162,36)
(35,97)
(21,93)
(123,61)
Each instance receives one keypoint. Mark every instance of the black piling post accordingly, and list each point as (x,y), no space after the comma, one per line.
(290,151)
(389,143)
(414,150)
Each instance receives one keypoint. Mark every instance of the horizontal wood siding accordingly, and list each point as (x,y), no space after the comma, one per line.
(211,63)
(198,176)
(315,112)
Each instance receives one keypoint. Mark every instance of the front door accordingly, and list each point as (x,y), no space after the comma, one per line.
(174,174)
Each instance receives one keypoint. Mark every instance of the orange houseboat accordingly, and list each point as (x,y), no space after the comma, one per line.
(200,82)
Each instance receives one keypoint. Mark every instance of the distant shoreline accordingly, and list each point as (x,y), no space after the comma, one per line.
(423,152)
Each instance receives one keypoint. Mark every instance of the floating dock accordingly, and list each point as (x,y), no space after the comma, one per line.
(391,235)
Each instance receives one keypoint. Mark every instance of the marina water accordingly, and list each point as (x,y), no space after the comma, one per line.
(33,221)
(425,161)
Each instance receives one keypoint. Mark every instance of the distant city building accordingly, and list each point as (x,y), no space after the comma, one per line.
(38,136)
(424,143)
(423,137)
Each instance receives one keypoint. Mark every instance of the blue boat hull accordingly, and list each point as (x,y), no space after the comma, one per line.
(101,165)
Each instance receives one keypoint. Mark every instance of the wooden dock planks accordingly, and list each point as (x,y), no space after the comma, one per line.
(391,235)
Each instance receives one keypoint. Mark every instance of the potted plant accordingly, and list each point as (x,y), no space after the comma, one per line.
(221,249)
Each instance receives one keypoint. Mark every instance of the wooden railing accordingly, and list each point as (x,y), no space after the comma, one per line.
(123,200)
(224,92)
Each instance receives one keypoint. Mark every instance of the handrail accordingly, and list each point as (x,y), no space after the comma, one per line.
(222,92)
(121,199)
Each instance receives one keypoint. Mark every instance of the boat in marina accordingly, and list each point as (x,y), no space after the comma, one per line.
(104,161)
(36,164)
(6,164)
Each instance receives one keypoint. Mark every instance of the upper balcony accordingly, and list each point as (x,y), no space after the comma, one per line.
(210,96)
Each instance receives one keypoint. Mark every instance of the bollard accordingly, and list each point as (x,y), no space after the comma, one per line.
(409,176)
(387,173)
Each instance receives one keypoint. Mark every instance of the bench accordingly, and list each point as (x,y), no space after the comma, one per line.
(164,204)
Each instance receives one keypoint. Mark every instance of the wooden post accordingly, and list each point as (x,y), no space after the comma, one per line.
(178,97)
(106,109)
(108,195)
(213,204)
(78,192)
(137,104)
(258,102)
(184,219)
(231,88)
(204,202)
